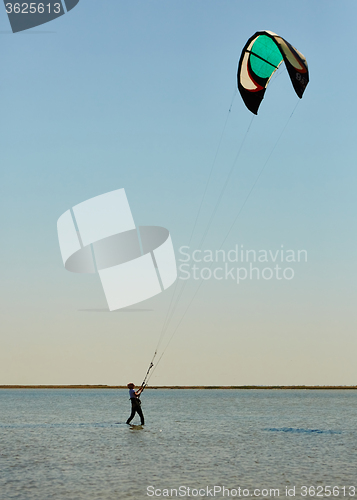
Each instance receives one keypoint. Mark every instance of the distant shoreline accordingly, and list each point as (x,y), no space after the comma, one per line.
(206,387)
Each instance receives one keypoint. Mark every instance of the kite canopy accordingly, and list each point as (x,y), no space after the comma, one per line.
(261,57)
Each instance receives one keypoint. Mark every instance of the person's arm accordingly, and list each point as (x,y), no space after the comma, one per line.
(139,391)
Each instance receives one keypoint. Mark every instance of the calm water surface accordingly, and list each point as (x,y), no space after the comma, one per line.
(74,444)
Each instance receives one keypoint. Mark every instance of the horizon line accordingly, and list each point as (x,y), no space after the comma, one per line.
(212,387)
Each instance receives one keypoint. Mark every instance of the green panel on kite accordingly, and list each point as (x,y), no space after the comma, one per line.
(269,56)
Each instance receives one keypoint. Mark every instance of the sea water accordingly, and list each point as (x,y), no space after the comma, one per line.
(74,444)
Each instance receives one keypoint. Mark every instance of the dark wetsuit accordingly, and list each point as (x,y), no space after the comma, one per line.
(135,407)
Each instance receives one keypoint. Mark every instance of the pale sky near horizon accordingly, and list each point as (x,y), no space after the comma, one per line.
(135,95)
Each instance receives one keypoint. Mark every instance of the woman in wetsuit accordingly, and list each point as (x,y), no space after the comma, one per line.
(135,403)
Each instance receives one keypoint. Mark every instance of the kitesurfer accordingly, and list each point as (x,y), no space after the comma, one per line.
(135,403)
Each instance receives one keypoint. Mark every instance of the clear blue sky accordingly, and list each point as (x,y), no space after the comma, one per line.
(135,94)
